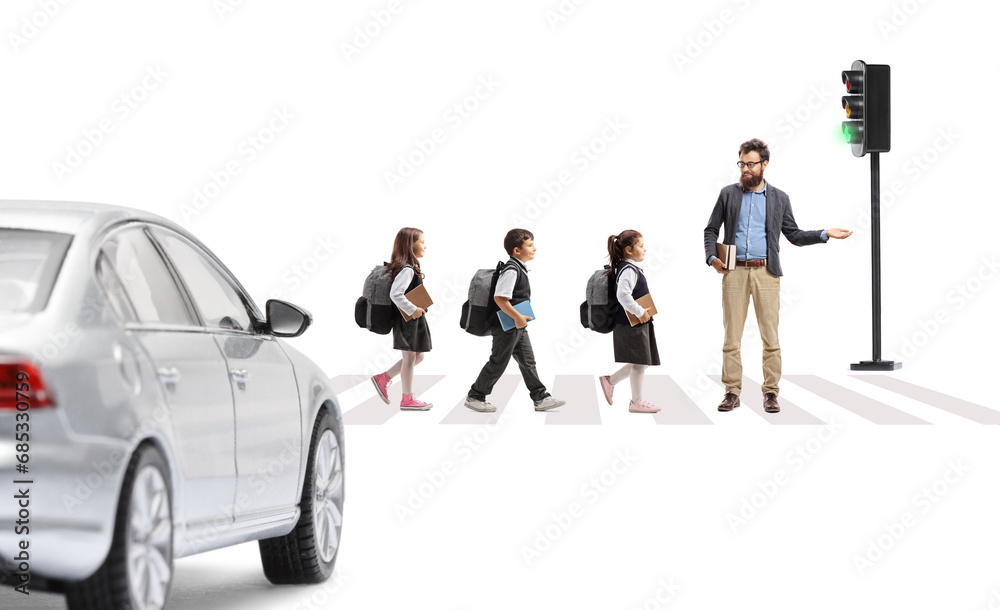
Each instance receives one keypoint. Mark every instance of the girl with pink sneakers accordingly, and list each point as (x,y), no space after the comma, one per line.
(412,337)
(634,345)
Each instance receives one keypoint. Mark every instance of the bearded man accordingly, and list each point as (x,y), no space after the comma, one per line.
(754,213)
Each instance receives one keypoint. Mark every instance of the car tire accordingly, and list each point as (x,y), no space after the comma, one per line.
(306,555)
(138,571)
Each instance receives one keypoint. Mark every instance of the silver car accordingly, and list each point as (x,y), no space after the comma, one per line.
(149,411)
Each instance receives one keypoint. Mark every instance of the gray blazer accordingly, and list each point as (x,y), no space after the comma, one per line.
(779,218)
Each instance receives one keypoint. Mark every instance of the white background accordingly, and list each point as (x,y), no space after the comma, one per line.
(312,211)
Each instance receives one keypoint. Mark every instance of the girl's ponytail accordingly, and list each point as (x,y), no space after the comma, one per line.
(616,247)
(616,254)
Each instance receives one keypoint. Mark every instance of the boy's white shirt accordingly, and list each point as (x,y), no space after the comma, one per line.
(507,281)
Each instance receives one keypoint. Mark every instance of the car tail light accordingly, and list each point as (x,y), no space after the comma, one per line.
(22,387)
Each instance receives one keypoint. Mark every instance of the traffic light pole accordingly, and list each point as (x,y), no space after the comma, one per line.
(876,363)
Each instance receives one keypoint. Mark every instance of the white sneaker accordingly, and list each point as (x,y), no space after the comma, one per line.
(479,405)
(548,403)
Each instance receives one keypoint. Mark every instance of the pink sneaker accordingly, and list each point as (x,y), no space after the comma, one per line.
(608,387)
(641,407)
(381,382)
(409,403)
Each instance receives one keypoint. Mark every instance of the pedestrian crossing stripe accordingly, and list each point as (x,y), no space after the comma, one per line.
(584,401)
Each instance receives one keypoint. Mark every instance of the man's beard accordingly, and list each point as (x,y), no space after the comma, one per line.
(752,181)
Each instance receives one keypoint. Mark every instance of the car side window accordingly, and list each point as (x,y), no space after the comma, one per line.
(145,279)
(216,299)
(115,291)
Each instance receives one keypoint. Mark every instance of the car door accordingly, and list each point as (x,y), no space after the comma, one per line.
(190,370)
(265,393)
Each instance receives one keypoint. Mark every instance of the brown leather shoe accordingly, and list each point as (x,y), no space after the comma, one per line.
(771,403)
(730,402)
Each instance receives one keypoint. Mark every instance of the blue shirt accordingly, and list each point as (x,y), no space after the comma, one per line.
(751,231)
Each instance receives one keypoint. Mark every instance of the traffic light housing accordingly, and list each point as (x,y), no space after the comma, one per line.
(867,107)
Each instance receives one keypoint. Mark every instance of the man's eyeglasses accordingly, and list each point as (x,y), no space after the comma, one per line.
(751,164)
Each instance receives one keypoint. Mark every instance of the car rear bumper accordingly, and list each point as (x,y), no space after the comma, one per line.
(63,508)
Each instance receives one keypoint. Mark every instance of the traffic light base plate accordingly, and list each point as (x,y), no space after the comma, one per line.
(881,365)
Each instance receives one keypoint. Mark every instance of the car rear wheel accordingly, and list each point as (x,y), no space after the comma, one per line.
(138,571)
(307,553)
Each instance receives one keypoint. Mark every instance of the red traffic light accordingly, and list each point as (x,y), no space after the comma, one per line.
(854,79)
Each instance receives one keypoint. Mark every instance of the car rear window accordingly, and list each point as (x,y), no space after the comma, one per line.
(29,264)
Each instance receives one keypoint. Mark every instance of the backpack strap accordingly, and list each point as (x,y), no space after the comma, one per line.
(622,267)
(501,267)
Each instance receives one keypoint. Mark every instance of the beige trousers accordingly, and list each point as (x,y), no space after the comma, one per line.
(737,287)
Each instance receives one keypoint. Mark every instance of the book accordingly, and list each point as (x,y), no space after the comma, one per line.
(523,308)
(419,297)
(727,254)
(646,302)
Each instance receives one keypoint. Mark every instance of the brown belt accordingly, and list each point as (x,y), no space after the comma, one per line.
(760,262)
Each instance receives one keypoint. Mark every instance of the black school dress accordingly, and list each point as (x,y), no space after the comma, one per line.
(415,335)
(635,344)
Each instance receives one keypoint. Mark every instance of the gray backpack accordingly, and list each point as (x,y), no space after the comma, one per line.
(599,310)
(375,310)
(479,313)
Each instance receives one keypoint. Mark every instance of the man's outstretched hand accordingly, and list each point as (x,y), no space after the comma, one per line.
(839,233)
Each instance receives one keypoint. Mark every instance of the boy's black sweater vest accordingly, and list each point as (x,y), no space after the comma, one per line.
(522,289)
(641,289)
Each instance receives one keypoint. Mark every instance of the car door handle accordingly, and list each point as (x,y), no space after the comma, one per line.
(239,377)
(170,376)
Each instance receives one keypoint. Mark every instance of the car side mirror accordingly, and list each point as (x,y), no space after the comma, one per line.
(285,319)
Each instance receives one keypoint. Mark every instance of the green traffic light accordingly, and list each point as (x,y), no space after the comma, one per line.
(852,131)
